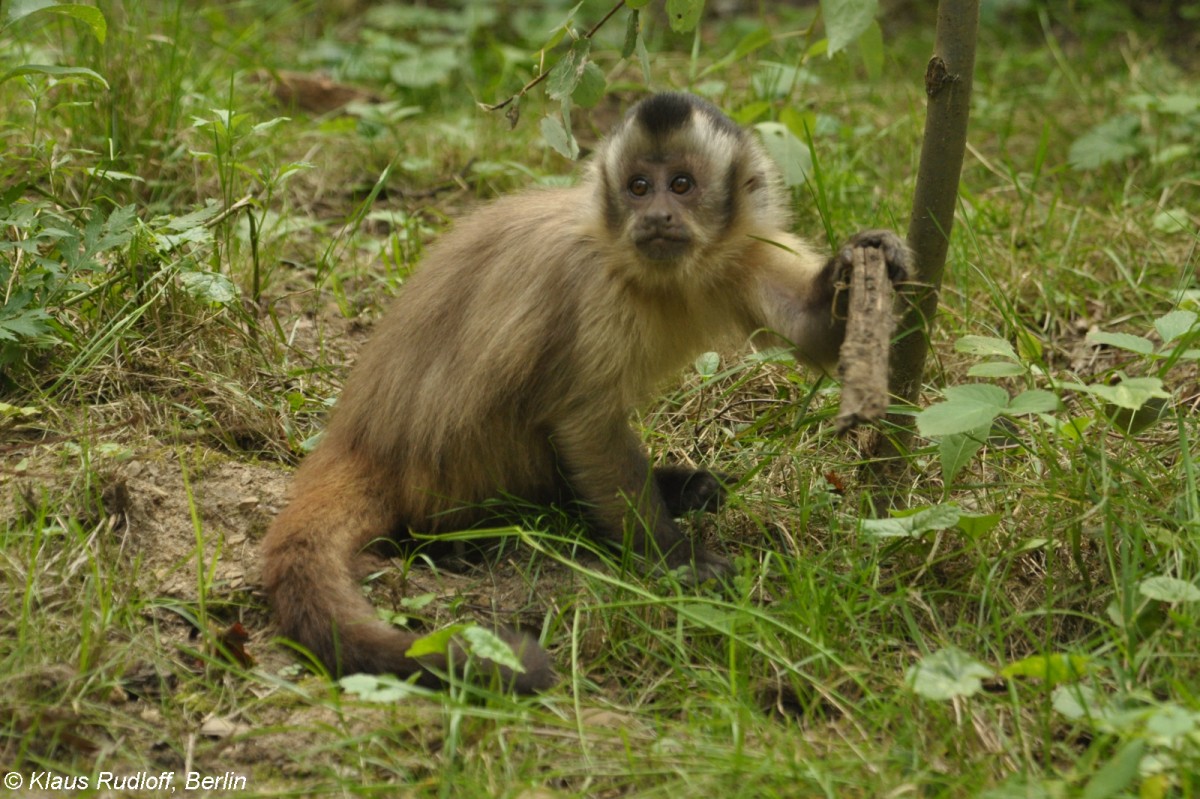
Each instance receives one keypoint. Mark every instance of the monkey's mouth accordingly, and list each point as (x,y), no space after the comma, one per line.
(661,245)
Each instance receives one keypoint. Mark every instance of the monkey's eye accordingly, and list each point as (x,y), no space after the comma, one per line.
(681,184)
(638,187)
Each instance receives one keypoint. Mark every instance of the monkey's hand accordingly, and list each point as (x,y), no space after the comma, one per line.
(895,254)
(686,490)
(697,565)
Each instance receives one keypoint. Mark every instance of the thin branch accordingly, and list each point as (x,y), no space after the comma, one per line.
(529,86)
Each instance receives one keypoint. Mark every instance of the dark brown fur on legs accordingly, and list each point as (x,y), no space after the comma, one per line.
(511,361)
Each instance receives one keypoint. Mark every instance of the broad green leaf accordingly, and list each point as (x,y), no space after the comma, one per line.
(722,620)
(32,322)
(196,218)
(913,525)
(209,286)
(591,87)
(557,136)
(1077,702)
(846,20)
(977,524)
(1131,393)
(684,14)
(995,369)
(1172,722)
(484,643)
(956,450)
(54,71)
(88,15)
(708,364)
(632,28)
(985,346)
(947,674)
(637,4)
(791,155)
(424,71)
(1124,341)
(436,643)
(1034,400)
(870,47)
(566,74)
(379,687)
(1172,220)
(966,408)
(1174,324)
(1110,142)
(1054,669)
(1169,589)
(643,57)
(1115,775)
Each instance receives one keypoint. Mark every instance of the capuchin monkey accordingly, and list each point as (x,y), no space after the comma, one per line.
(511,361)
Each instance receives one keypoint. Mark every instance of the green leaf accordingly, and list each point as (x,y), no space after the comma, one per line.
(1034,400)
(632,29)
(27,324)
(791,155)
(382,688)
(1131,393)
(708,364)
(643,57)
(1175,324)
(1117,773)
(484,643)
(1077,702)
(914,524)
(1169,589)
(1110,142)
(209,286)
(1124,341)
(1172,722)
(591,87)
(1172,220)
(996,369)
(947,674)
(977,524)
(54,71)
(966,408)
(847,20)
(956,450)
(558,138)
(684,14)
(985,346)
(1054,669)
(566,74)
(88,15)
(436,643)
(870,47)
(432,67)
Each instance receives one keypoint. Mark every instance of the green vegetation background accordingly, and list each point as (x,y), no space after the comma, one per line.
(205,208)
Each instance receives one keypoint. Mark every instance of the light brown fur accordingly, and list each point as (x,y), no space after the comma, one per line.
(510,362)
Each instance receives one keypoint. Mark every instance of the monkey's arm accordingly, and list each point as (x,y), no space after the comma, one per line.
(797,291)
(609,471)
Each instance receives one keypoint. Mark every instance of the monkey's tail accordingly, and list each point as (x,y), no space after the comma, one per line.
(307,571)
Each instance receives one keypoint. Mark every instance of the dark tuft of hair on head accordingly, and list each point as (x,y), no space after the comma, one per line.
(664,113)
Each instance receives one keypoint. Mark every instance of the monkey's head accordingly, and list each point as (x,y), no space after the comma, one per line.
(677,178)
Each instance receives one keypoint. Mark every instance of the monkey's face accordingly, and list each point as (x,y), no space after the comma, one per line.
(661,201)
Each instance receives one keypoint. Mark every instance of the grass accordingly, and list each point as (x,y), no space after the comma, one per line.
(189,267)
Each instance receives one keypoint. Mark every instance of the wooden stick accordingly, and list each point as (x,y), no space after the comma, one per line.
(870,321)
